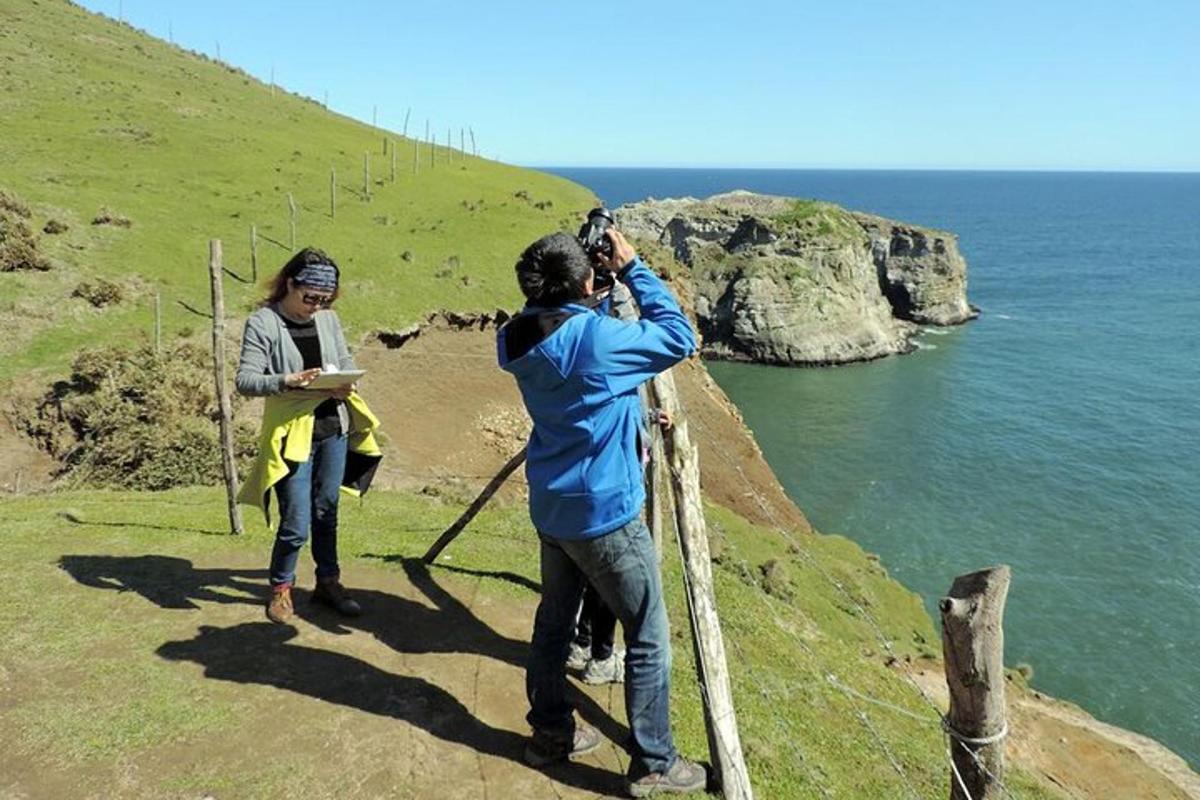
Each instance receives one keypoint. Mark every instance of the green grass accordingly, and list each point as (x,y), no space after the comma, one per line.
(92,688)
(98,115)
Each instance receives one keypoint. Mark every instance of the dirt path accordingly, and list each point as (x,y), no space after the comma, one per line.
(421,697)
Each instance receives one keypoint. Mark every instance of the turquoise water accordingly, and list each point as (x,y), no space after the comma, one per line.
(1058,433)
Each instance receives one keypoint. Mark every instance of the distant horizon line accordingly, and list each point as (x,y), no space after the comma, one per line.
(779,168)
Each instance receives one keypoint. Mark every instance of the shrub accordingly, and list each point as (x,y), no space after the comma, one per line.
(13,204)
(101,293)
(55,226)
(18,245)
(106,216)
(131,419)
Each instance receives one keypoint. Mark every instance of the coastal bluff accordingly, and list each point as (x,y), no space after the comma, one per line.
(780,280)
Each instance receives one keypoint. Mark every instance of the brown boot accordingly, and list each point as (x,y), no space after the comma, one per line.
(279,607)
(331,593)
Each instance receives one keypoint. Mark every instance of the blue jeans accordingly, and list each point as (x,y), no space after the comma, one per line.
(623,569)
(308,501)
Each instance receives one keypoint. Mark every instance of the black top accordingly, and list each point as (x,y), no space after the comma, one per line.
(328,422)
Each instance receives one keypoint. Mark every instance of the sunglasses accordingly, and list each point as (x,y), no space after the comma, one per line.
(318,300)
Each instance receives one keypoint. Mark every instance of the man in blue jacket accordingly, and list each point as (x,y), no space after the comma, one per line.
(578,371)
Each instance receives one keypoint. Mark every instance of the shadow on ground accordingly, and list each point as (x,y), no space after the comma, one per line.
(263,653)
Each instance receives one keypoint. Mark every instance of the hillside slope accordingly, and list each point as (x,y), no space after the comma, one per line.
(99,117)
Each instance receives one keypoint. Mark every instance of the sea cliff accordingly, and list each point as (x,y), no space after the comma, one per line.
(800,282)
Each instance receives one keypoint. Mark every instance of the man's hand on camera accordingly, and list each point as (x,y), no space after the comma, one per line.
(623,252)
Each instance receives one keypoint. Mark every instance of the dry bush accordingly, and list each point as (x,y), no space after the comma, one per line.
(101,293)
(106,216)
(130,419)
(18,245)
(55,226)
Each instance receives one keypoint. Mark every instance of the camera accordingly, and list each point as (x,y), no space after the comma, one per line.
(595,242)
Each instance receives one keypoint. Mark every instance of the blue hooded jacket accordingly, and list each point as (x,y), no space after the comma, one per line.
(578,372)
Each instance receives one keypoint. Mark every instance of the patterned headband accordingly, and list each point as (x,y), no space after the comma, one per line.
(317,276)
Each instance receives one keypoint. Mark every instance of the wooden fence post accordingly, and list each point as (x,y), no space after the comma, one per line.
(157,322)
(254,253)
(462,141)
(973,651)
(416,156)
(333,192)
(393,161)
(292,219)
(724,743)
(228,465)
(474,149)
(406,116)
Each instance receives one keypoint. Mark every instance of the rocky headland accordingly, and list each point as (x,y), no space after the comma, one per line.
(801,282)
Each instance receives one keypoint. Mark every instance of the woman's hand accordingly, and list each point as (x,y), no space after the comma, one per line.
(342,392)
(298,380)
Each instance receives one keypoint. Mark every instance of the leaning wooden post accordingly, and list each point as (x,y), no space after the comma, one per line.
(224,406)
(493,486)
(407,114)
(973,651)
(724,744)
(474,149)
(254,253)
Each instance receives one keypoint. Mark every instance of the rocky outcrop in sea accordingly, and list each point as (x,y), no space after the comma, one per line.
(802,282)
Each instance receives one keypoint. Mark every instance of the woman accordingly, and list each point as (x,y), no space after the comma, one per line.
(313,442)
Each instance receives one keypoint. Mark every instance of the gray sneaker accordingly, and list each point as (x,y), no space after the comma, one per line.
(683,777)
(610,670)
(543,749)
(578,657)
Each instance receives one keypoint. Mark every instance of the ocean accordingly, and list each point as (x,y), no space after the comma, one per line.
(1059,433)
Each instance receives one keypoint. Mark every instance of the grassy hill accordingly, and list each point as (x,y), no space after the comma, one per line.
(98,116)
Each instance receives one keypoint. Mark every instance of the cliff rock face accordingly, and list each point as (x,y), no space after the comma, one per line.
(786,281)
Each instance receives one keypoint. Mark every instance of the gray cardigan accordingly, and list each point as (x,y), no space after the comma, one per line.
(269,355)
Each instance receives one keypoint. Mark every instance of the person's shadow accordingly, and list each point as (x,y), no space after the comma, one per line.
(259,652)
(262,652)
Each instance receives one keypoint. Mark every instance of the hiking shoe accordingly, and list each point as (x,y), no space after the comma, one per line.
(543,749)
(682,778)
(578,657)
(333,594)
(609,670)
(279,607)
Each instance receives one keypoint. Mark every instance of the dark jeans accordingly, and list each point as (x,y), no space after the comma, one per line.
(596,625)
(308,501)
(623,569)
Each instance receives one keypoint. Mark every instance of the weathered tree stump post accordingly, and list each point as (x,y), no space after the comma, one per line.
(724,743)
(973,650)
(224,406)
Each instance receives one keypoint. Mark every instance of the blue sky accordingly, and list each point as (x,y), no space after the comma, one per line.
(956,85)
